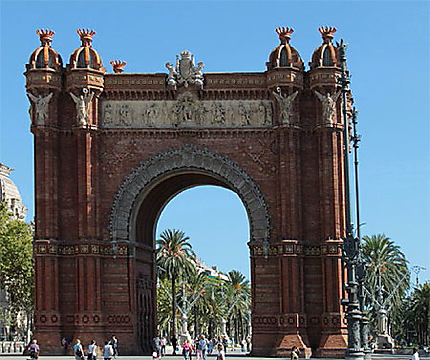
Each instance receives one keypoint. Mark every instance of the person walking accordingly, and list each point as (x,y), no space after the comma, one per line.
(163,346)
(174,342)
(92,350)
(156,342)
(34,350)
(107,351)
(221,352)
(225,343)
(210,346)
(202,346)
(114,343)
(294,353)
(187,350)
(78,350)
(415,354)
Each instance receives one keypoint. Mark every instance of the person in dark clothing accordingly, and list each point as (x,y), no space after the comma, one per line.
(174,342)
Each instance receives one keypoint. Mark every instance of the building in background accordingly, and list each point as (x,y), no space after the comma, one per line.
(9,194)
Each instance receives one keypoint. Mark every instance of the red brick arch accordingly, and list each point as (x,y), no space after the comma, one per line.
(105,167)
(192,160)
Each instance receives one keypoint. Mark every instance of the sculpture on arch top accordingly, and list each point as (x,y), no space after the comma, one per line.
(185,72)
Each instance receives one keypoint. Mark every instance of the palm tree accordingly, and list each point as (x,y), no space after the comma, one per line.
(174,256)
(386,267)
(420,313)
(238,301)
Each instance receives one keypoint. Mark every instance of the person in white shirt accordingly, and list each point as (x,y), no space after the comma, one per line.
(415,354)
(221,352)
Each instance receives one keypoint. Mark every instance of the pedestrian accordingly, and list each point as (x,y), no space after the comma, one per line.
(202,346)
(78,350)
(114,343)
(210,346)
(156,342)
(174,342)
(221,352)
(294,353)
(187,350)
(163,346)
(415,354)
(107,351)
(34,350)
(243,345)
(92,350)
(225,343)
(248,343)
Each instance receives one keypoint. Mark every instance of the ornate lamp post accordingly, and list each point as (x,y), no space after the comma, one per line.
(351,246)
(361,268)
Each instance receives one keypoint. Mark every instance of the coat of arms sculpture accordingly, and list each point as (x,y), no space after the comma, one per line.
(185,72)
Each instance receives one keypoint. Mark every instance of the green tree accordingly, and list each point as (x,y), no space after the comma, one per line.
(238,294)
(174,256)
(416,315)
(16,263)
(384,259)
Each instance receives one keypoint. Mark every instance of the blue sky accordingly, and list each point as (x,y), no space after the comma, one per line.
(388,57)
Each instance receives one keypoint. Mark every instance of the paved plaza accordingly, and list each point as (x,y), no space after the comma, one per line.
(232,355)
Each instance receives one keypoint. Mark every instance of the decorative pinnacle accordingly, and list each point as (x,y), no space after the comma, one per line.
(118,66)
(327,33)
(86,36)
(45,36)
(284,34)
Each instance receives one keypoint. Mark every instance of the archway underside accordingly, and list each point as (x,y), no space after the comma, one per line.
(149,206)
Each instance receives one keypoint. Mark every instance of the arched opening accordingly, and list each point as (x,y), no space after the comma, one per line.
(141,198)
(327,57)
(217,225)
(283,59)
(151,204)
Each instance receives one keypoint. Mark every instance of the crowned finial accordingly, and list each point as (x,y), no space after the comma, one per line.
(45,36)
(86,36)
(327,33)
(118,66)
(284,34)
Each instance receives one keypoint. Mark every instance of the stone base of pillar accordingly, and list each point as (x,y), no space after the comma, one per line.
(384,342)
(280,345)
(332,346)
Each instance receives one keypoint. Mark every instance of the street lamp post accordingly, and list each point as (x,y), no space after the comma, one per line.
(361,268)
(351,244)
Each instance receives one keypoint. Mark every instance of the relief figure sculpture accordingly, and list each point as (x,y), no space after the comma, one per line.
(285,104)
(82,103)
(41,108)
(328,105)
(245,119)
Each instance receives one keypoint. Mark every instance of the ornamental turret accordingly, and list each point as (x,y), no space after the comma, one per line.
(85,57)
(323,80)
(285,71)
(284,55)
(85,80)
(43,80)
(45,57)
(325,55)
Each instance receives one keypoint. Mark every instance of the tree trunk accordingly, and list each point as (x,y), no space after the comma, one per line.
(173,307)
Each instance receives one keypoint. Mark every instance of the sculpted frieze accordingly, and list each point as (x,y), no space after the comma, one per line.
(185,112)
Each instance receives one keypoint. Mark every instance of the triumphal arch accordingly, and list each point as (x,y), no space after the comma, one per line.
(111,149)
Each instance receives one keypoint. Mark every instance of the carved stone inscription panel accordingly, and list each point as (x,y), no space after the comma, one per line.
(186,112)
